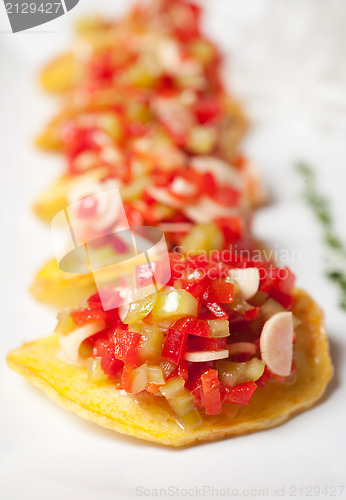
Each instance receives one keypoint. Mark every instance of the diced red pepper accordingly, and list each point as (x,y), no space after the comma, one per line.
(211,392)
(144,275)
(208,184)
(203,344)
(227,195)
(219,291)
(87,207)
(265,378)
(111,316)
(285,280)
(232,228)
(217,310)
(125,346)
(252,313)
(177,266)
(181,371)
(194,383)
(185,17)
(207,109)
(198,261)
(88,315)
(174,345)
(104,349)
(152,388)
(192,326)
(126,378)
(240,394)
(286,300)
(194,281)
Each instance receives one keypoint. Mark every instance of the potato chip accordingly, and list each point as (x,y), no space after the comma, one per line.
(112,408)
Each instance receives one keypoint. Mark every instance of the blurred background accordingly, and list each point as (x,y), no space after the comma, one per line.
(286,63)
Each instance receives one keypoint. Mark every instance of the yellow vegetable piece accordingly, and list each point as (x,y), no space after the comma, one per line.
(151,343)
(174,304)
(201,140)
(205,237)
(94,370)
(139,379)
(232,374)
(156,375)
(140,309)
(65,322)
(173,388)
(62,74)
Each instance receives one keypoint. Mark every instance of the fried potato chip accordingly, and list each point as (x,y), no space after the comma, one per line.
(59,289)
(109,407)
(61,74)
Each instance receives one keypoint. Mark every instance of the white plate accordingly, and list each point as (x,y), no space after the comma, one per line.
(47,453)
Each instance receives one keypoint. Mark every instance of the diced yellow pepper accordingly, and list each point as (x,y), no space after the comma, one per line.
(219,328)
(173,388)
(61,74)
(140,309)
(174,304)
(94,370)
(139,379)
(156,375)
(151,343)
(205,237)
(232,374)
(201,140)
(65,322)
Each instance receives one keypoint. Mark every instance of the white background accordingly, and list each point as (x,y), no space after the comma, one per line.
(287,64)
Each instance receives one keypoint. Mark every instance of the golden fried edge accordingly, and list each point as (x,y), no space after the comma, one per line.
(67,385)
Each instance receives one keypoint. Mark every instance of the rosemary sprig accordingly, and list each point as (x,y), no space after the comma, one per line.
(335,261)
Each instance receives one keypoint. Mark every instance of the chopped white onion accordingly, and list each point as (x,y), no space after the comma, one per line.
(161,195)
(70,344)
(242,347)
(176,227)
(248,280)
(223,172)
(182,187)
(276,343)
(200,356)
(206,210)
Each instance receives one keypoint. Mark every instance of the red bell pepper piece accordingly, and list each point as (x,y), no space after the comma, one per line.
(181,371)
(286,300)
(207,184)
(204,344)
(194,281)
(232,228)
(175,345)
(252,313)
(192,326)
(227,195)
(88,315)
(125,346)
(285,280)
(217,310)
(104,349)
(185,17)
(194,383)
(219,291)
(198,261)
(211,392)
(240,394)
(125,377)
(177,266)
(144,274)
(207,109)
(265,378)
